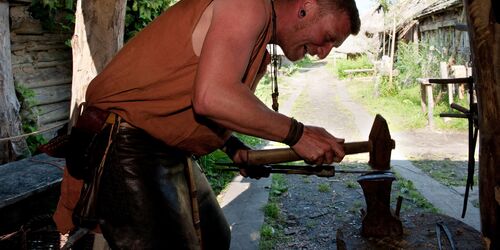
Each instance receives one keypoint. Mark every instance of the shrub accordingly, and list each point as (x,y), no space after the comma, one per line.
(361,62)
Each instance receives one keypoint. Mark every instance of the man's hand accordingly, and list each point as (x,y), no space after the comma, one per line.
(255,172)
(317,146)
(238,152)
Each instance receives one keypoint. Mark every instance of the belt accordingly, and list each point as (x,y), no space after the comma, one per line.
(112,117)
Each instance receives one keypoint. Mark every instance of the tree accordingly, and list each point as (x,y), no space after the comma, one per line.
(10,121)
(484,33)
(99,32)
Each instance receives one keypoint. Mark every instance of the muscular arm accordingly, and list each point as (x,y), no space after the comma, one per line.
(219,93)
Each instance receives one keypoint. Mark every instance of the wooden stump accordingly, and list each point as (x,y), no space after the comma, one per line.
(419,232)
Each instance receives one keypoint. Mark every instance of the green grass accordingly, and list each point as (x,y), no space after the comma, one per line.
(217,178)
(272,210)
(324,188)
(403,110)
(446,171)
(271,230)
(407,190)
(361,62)
(351,184)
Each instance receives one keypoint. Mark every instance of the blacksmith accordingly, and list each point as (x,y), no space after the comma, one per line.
(178,89)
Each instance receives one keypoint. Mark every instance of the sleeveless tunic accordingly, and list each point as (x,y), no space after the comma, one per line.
(149,83)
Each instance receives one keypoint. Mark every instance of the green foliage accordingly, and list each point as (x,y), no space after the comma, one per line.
(408,64)
(60,14)
(279,185)
(55,15)
(414,62)
(29,116)
(217,178)
(387,90)
(141,12)
(361,62)
(267,231)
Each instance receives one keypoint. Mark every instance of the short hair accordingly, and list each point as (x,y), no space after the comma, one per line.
(346,6)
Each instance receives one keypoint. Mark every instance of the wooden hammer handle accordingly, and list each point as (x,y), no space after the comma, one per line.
(271,156)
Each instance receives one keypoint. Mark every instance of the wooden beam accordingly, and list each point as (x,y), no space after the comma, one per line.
(10,122)
(484,33)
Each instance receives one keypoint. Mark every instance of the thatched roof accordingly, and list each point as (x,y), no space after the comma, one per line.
(372,22)
(438,7)
(405,11)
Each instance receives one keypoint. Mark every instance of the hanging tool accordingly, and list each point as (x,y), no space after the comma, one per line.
(471,115)
(441,226)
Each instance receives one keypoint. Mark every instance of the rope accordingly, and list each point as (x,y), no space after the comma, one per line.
(274,63)
(48,163)
(60,124)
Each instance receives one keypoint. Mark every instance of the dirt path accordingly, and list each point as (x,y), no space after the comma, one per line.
(314,208)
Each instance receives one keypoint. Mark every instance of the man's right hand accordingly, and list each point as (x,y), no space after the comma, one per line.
(317,146)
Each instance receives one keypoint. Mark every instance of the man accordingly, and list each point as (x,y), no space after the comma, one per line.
(178,89)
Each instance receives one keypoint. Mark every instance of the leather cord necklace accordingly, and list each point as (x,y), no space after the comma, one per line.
(274,63)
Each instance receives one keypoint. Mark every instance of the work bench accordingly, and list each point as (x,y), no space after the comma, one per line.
(29,188)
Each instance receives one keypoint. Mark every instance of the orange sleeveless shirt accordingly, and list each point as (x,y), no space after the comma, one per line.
(149,83)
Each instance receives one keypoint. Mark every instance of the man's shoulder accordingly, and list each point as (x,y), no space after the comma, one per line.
(255,10)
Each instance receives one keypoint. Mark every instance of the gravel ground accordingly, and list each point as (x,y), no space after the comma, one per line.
(312,209)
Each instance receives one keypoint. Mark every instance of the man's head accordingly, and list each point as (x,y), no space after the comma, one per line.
(315,26)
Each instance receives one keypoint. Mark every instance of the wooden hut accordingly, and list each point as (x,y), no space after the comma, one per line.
(442,25)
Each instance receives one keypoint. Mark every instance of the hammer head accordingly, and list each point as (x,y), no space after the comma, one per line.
(382,144)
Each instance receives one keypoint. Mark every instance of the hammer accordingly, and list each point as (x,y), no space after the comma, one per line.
(379,145)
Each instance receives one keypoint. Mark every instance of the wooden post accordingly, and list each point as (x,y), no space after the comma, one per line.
(443,68)
(484,33)
(430,104)
(99,31)
(392,49)
(10,121)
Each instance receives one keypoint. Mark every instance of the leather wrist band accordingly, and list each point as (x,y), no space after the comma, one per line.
(294,133)
(232,145)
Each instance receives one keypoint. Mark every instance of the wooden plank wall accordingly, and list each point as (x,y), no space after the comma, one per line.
(439,30)
(41,61)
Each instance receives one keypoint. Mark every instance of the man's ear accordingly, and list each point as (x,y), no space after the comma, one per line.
(309,6)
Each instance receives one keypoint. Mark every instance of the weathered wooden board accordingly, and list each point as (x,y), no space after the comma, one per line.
(45,37)
(40,56)
(53,112)
(22,22)
(44,77)
(24,178)
(52,94)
